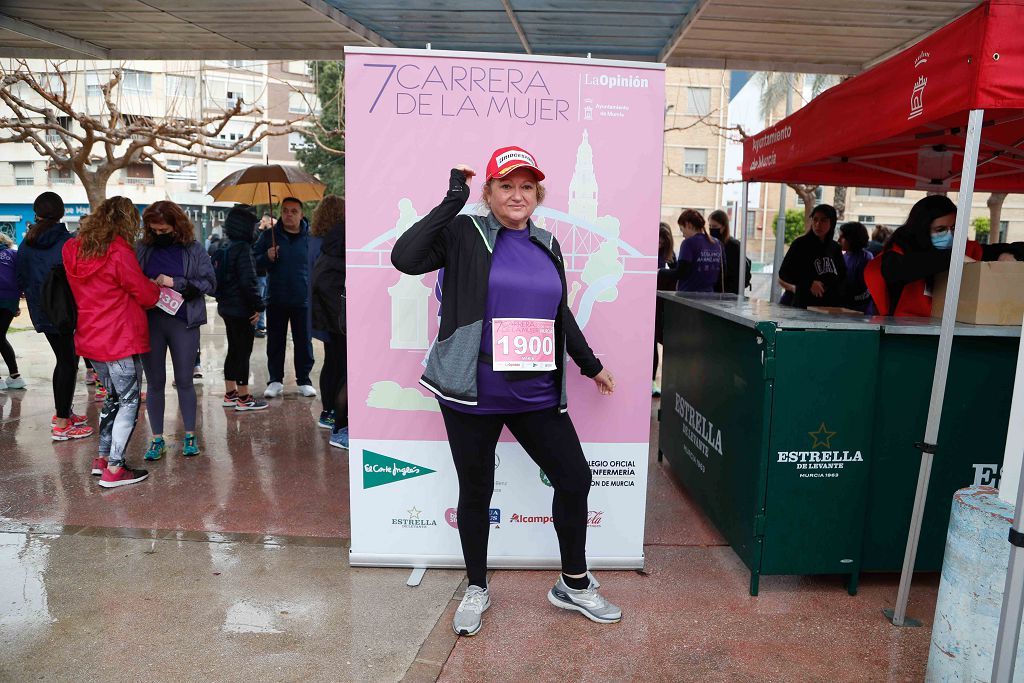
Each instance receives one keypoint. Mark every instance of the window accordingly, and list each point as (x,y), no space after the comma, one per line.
(182,170)
(52,83)
(296,68)
(137,82)
(240,63)
(183,87)
(298,103)
(695,161)
(1004,228)
(61,176)
(94,84)
(139,174)
(751,222)
(879,192)
(298,141)
(868,221)
(24,173)
(698,101)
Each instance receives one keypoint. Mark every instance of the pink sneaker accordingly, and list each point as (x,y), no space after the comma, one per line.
(123,477)
(98,465)
(101,392)
(76,420)
(70,432)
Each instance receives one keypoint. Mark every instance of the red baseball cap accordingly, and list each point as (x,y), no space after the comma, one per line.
(507,159)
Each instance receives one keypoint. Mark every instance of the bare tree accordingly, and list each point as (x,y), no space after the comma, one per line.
(995,214)
(93,146)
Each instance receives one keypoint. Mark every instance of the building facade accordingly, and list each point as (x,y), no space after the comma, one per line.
(696,121)
(192,89)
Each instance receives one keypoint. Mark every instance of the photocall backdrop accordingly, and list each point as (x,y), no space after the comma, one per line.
(595,128)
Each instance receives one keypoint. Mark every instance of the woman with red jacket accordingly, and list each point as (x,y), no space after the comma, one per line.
(112,294)
(901,278)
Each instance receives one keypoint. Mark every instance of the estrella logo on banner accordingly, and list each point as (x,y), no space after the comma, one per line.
(380,469)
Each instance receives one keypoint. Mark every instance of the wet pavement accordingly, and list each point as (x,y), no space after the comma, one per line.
(232,567)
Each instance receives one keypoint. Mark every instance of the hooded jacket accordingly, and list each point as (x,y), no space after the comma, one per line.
(238,293)
(463,246)
(112,294)
(329,283)
(288,275)
(810,259)
(198,281)
(35,261)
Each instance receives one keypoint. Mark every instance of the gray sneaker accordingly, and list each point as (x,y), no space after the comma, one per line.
(467,618)
(587,601)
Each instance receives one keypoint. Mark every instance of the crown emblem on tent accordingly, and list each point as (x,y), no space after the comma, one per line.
(921,59)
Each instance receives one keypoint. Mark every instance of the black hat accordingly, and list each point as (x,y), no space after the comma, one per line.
(49,205)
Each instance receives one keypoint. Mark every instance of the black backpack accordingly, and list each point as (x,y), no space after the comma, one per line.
(57,301)
(220,266)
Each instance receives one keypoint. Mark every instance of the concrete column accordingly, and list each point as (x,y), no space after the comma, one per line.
(971,590)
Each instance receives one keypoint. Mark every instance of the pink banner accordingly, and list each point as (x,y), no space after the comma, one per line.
(596,131)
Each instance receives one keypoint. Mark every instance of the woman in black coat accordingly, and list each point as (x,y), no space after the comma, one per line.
(718,224)
(328,283)
(239,303)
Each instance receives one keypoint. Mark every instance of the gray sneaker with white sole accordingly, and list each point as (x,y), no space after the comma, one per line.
(587,601)
(474,603)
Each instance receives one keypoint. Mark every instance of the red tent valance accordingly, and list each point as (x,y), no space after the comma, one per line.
(902,123)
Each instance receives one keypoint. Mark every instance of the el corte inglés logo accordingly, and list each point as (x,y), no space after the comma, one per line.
(380,469)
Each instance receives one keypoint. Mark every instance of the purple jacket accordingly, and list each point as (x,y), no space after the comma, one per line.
(8,278)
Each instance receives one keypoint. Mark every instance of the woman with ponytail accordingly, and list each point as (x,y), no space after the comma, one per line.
(39,253)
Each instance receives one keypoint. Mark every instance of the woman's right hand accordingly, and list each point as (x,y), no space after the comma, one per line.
(468,171)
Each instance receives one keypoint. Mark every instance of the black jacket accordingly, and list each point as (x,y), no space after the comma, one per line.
(810,259)
(462,246)
(329,283)
(238,294)
(35,261)
(732,265)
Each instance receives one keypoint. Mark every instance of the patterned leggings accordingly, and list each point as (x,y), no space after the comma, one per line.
(123,380)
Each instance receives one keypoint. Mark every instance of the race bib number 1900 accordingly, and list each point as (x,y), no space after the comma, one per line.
(523,344)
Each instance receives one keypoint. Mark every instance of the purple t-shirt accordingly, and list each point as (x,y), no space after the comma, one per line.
(523,284)
(706,257)
(169,261)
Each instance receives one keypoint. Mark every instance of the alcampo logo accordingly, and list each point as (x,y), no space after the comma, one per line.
(380,469)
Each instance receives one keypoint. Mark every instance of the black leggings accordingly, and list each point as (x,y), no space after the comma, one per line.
(334,379)
(64,372)
(550,439)
(240,336)
(6,350)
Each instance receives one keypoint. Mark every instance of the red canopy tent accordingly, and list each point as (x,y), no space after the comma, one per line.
(945,114)
(903,123)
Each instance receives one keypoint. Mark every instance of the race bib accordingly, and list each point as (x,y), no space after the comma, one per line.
(170,301)
(523,344)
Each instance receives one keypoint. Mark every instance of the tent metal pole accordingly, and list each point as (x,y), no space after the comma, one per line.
(1008,634)
(744,196)
(931,434)
(780,224)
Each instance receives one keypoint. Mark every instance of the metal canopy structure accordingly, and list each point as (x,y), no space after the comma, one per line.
(809,36)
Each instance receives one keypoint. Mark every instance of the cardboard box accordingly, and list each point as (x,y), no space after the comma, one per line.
(991,293)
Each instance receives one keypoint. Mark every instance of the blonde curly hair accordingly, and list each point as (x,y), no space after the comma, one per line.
(328,213)
(5,239)
(115,216)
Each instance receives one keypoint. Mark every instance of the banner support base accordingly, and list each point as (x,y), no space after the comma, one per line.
(890,614)
(416,577)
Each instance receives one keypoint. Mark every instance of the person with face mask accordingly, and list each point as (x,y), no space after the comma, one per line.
(814,271)
(172,258)
(900,279)
(718,226)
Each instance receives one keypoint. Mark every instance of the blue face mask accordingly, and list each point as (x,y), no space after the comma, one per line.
(943,240)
